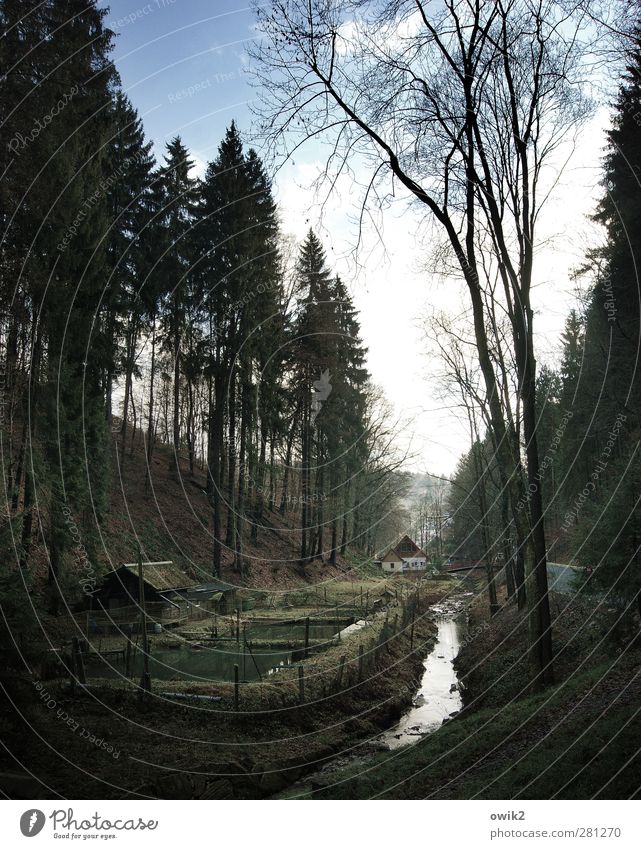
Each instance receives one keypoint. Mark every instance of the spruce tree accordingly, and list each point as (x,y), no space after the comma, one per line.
(180,197)
(123,306)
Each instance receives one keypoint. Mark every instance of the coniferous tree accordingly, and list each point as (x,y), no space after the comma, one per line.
(56,201)
(314,363)
(122,307)
(180,196)
(601,372)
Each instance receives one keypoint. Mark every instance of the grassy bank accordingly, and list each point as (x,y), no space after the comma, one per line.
(578,739)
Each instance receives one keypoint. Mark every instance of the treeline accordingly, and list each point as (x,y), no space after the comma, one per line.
(141,301)
(589,406)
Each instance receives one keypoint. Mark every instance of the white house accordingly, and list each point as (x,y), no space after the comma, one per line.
(391,562)
(404,557)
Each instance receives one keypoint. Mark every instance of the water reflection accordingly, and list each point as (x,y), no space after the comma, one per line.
(438,696)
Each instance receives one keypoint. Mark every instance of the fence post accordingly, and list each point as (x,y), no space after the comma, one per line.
(306,636)
(73,671)
(301,683)
(340,672)
(244,651)
(79,664)
(128,658)
(145,681)
(236,688)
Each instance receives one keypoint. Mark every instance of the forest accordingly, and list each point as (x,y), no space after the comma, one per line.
(587,403)
(141,303)
(185,387)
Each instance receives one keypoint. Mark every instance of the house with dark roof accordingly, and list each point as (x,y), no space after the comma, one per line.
(171,596)
(162,581)
(405,556)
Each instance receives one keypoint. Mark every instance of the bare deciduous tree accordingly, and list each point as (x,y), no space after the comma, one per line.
(465,106)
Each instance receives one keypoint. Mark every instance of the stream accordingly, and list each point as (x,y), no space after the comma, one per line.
(437,699)
(438,696)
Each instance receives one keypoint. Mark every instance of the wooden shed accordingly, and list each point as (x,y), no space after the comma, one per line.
(115,606)
(171,597)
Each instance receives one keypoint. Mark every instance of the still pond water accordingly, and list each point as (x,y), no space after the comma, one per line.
(215,662)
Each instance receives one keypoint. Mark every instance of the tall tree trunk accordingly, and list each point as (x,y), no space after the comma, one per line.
(231,463)
(346,507)
(334,525)
(123,426)
(151,436)
(30,414)
(109,384)
(305,464)
(519,575)
(242,480)
(56,552)
(508,551)
(134,427)
(174,463)
(540,640)
(27,520)
(17,480)
(214,470)
(191,435)
(259,502)
(288,458)
(536,576)
(317,498)
(11,360)
(130,354)
(332,555)
(272,470)
(480,474)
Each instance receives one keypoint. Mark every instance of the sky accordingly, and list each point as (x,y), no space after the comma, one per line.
(184,65)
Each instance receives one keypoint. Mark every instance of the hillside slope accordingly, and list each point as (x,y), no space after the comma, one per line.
(171,520)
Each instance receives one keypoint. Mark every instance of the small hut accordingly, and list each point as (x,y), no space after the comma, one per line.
(171,597)
(214,596)
(116,603)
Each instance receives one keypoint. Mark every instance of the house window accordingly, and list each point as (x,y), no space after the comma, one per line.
(391,565)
